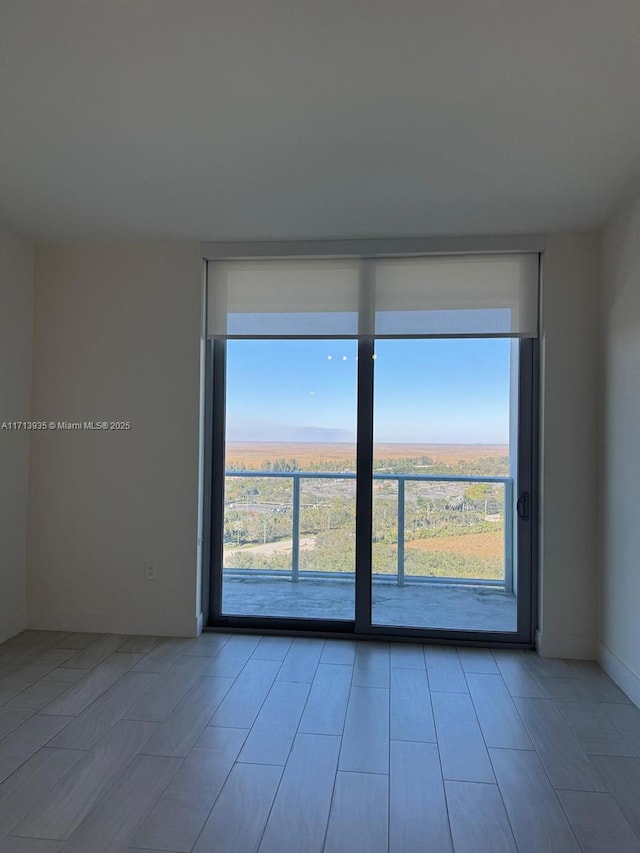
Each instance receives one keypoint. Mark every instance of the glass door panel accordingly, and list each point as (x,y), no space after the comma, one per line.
(444,466)
(290,457)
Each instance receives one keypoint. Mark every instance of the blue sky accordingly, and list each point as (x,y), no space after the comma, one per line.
(426,391)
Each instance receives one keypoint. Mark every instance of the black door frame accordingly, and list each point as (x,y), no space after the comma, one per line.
(361,625)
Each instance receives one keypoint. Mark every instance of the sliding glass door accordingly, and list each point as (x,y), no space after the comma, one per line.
(443,483)
(290,467)
(377,480)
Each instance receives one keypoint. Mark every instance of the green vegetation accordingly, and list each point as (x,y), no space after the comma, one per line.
(451,529)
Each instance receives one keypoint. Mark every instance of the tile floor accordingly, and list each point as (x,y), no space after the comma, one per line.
(240,743)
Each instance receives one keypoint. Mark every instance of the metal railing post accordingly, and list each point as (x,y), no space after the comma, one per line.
(508,536)
(295,533)
(400,532)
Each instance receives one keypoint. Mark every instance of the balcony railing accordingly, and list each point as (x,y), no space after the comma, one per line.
(506,582)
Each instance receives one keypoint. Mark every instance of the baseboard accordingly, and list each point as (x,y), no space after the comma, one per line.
(11,625)
(159,625)
(575,646)
(626,679)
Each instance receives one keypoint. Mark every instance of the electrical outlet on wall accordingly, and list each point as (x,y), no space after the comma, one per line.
(149,573)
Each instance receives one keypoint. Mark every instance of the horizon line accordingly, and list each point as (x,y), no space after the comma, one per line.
(352,443)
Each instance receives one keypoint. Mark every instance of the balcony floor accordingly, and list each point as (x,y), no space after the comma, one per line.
(420,605)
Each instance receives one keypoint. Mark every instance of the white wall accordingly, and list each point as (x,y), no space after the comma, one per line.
(569,446)
(116,338)
(620,585)
(16,322)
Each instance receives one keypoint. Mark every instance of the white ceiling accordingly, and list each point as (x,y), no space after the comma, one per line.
(232,119)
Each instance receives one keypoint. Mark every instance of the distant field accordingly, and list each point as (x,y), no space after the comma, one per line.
(252,454)
(483,545)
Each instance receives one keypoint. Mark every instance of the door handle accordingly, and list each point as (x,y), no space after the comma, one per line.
(522,506)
